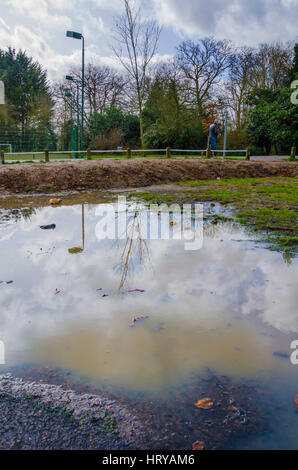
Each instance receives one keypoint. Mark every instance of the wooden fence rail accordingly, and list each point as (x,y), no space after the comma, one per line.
(128,152)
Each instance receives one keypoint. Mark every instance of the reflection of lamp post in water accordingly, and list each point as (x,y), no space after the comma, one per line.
(77,249)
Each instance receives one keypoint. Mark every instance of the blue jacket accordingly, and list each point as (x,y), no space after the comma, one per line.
(213,130)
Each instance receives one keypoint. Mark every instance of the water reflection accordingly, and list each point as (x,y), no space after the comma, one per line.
(77,249)
(135,249)
(229,306)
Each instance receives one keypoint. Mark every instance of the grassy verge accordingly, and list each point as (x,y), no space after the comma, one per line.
(263,204)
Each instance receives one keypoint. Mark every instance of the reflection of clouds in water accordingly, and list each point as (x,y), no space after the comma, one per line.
(191,292)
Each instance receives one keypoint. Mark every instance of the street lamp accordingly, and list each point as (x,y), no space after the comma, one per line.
(74,35)
(69,77)
(69,95)
(226,132)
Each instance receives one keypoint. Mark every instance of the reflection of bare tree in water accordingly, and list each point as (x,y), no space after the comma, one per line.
(15,214)
(135,248)
(288,258)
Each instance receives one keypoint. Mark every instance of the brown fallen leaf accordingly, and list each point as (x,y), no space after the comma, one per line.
(296,400)
(199,445)
(205,403)
(55,201)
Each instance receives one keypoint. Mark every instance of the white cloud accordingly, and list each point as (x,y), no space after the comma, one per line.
(38,26)
(245,22)
(23,38)
(61,4)
(110,5)
(3,24)
(38,10)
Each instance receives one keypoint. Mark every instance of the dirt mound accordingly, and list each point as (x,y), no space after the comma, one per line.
(113,174)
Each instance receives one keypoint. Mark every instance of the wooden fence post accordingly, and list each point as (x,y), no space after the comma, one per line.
(2,157)
(293,153)
(247,154)
(46,156)
(208,153)
(88,154)
(128,152)
(168,152)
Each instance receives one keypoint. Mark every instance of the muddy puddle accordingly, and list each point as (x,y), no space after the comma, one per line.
(153,325)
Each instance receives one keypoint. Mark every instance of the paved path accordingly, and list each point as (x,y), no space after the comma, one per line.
(272,158)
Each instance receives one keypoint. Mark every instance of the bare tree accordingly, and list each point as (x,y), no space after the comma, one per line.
(61,104)
(274,62)
(137,41)
(240,83)
(104,87)
(203,64)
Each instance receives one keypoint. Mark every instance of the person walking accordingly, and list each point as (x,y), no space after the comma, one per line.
(213,133)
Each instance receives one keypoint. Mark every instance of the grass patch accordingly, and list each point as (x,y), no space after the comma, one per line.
(263,204)
(110,423)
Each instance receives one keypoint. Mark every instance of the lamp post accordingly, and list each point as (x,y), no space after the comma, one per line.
(69,77)
(226,131)
(69,95)
(74,35)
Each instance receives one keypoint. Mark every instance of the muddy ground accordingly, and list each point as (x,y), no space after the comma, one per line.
(114,174)
(49,410)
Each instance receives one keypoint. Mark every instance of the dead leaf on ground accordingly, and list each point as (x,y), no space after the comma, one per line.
(55,201)
(199,445)
(205,403)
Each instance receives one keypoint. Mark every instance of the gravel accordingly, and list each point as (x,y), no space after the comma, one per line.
(40,416)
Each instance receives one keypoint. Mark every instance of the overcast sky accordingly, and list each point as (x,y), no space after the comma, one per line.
(39,26)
